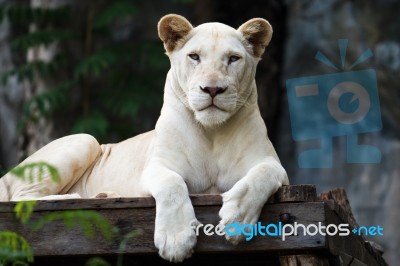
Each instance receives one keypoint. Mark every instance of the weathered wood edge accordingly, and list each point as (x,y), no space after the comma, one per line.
(293,193)
(287,194)
(361,249)
(338,201)
(72,242)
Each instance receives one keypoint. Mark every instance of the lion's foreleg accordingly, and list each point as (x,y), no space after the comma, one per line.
(244,201)
(173,235)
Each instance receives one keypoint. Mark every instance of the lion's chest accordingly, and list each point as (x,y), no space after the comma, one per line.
(214,172)
(210,182)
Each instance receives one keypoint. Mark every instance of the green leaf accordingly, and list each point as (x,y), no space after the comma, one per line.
(87,220)
(27,71)
(124,101)
(95,123)
(124,242)
(46,102)
(97,261)
(117,9)
(95,64)
(38,170)
(44,37)
(24,209)
(14,247)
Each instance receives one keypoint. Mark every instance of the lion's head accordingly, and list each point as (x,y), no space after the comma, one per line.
(213,65)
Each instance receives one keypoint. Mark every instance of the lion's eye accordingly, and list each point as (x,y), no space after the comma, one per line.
(233,58)
(194,57)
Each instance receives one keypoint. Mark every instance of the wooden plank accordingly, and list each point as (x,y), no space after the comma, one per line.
(293,193)
(305,213)
(290,204)
(56,240)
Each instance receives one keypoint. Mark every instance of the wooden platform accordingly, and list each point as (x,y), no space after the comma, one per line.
(56,245)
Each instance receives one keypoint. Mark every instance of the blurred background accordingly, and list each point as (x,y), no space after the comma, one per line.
(98,67)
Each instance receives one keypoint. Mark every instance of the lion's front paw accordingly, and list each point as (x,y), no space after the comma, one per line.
(175,237)
(175,245)
(238,209)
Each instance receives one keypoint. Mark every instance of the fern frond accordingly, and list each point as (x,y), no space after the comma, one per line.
(124,242)
(27,71)
(46,102)
(97,261)
(95,64)
(124,101)
(31,171)
(14,247)
(44,37)
(94,123)
(87,220)
(23,210)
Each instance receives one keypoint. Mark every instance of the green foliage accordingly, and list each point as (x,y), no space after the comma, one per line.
(97,261)
(123,244)
(37,38)
(94,123)
(45,103)
(95,64)
(116,10)
(106,72)
(87,220)
(31,171)
(14,249)
(28,70)
(23,210)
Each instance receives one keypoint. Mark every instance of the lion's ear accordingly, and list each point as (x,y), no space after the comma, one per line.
(258,32)
(171,29)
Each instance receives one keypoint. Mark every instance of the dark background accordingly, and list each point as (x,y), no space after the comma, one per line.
(98,67)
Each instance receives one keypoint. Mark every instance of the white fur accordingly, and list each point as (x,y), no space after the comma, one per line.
(193,149)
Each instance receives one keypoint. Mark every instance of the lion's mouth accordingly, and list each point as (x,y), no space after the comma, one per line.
(212,107)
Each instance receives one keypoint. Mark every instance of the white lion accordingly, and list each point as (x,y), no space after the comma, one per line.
(210,138)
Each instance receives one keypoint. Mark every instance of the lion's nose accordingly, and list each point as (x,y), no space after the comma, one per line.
(213,91)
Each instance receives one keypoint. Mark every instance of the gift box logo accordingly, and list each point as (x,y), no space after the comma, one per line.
(340,104)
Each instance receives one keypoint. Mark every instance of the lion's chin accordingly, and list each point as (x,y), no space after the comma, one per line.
(212,116)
